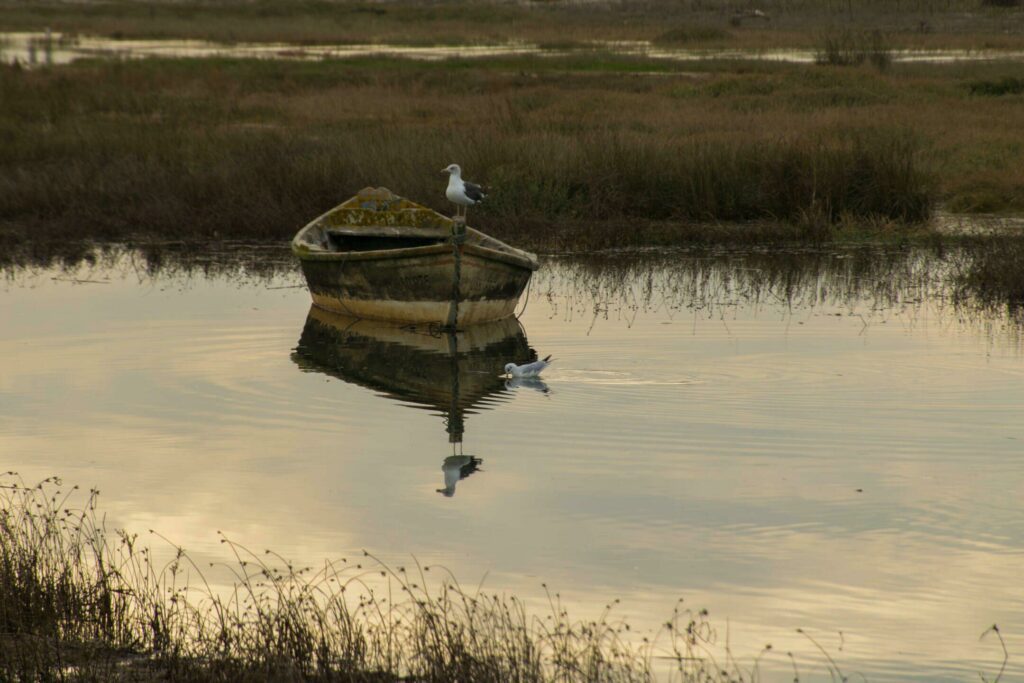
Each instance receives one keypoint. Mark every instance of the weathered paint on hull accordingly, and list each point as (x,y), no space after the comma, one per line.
(469,313)
(416,288)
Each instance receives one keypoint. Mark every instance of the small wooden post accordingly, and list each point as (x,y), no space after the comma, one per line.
(458,239)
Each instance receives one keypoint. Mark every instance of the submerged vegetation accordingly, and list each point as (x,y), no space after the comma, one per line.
(980,275)
(994,272)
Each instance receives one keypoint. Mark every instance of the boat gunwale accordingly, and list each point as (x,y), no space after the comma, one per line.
(501,252)
(515,257)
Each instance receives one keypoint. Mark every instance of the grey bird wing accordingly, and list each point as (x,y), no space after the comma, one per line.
(474,192)
(533,368)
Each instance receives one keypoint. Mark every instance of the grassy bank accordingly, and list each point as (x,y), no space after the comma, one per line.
(255,148)
(586,151)
(776,23)
(80,603)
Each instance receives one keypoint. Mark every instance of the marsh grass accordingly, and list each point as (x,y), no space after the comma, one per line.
(175,149)
(80,603)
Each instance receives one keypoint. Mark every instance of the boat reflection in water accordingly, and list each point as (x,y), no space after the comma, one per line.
(454,373)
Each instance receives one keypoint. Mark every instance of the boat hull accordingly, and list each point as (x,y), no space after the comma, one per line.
(382,257)
(417,287)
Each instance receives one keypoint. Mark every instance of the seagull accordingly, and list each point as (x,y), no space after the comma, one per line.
(529,370)
(460,192)
(455,468)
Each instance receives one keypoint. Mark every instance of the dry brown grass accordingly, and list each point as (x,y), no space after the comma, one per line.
(254,149)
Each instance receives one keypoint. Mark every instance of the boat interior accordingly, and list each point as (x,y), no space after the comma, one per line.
(346,241)
(377,220)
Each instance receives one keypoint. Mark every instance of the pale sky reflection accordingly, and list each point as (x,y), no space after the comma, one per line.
(722,464)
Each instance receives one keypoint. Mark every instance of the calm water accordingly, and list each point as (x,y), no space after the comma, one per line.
(816,441)
(39,48)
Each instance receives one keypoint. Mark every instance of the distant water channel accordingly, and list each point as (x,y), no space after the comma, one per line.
(823,441)
(34,49)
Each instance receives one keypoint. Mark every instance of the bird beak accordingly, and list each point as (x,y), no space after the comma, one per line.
(445,170)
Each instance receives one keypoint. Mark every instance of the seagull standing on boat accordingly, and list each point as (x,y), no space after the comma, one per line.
(528,370)
(461,193)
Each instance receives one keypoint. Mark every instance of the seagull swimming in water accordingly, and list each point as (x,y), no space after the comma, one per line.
(529,370)
(460,192)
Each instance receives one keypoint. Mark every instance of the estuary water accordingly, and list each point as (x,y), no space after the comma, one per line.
(825,441)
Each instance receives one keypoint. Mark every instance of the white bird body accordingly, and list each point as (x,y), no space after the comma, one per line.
(460,192)
(529,369)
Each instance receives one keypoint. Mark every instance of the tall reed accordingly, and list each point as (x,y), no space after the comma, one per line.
(80,603)
(993,272)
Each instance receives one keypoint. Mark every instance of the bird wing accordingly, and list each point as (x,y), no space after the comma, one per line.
(474,191)
(532,368)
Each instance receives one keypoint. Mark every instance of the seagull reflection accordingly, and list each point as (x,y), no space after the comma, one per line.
(534,383)
(456,468)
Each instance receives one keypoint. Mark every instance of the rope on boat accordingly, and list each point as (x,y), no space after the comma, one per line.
(458,239)
(529,284)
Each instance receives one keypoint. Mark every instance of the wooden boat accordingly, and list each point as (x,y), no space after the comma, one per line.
(383,257)
(452,373)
